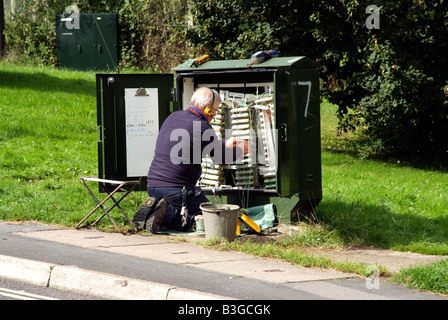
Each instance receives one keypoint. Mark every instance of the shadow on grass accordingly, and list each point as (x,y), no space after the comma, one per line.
(44,82)
(351,147)
(360,224)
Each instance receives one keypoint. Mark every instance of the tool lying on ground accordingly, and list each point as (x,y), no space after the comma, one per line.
(248,222)
(257,219)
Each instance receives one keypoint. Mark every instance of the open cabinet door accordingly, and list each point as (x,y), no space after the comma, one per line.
(131,109)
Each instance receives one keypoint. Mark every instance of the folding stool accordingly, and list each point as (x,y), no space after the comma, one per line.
(120,186)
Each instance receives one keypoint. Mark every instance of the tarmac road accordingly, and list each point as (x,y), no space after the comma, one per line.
(114,266)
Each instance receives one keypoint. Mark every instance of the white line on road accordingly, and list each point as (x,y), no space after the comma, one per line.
(22,295)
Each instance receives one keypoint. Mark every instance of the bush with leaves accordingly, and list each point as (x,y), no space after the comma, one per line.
(405,73)
(154,33)
(29,33)
(390,83)
(151,31)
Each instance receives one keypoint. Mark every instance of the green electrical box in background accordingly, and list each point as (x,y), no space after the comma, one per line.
(276,102)
(87,41)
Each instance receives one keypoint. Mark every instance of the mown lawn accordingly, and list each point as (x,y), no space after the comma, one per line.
(385,204)
(48,140)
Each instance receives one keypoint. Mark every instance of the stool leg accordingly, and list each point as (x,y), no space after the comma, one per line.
(100,205)
(122,211)
(91,212)
(106,213)
(116,204)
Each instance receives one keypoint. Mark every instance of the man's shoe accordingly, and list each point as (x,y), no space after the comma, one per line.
(157,219)
(144,212)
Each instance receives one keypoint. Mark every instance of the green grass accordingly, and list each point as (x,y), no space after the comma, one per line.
(48,140)
(291,249)
(388,205)
(432,277)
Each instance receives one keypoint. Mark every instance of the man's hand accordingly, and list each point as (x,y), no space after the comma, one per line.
(237,142)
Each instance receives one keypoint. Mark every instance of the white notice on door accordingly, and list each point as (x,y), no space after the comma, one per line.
(142,128)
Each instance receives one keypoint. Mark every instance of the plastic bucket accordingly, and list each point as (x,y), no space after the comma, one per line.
(220,220)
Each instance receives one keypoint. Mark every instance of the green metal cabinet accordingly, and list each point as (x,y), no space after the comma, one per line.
(91,45)
(294,82)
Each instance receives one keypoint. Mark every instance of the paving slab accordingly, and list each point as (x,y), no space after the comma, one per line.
(394,261)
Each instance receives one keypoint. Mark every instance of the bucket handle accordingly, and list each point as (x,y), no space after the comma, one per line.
(219,212)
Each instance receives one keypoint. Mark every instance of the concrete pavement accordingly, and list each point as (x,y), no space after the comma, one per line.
(273,279)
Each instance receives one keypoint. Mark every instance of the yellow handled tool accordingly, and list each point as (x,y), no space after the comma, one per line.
(196,63)
(249,222)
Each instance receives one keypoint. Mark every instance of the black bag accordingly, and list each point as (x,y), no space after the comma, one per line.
(148,208)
